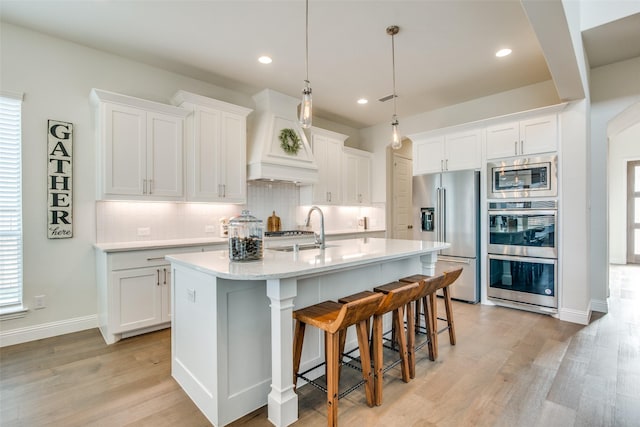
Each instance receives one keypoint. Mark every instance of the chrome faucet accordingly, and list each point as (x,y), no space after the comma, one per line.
(306,223)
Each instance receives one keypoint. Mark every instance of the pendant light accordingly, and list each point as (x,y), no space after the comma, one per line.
(305,107)
(396,143)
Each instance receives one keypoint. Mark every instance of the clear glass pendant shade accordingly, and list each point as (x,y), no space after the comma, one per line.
(305,107)
(396,143)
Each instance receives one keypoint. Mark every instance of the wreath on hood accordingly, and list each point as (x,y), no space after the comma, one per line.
(289,141)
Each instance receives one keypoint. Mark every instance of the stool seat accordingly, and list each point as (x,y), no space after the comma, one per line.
(396,296)
(334,318)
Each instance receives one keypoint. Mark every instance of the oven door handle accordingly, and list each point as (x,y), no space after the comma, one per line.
(523,259)
(524,212)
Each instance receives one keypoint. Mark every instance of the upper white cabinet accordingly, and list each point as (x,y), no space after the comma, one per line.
(140,146)
(327,150)
(356,177)
(216,149)
(448,152)
(522,138)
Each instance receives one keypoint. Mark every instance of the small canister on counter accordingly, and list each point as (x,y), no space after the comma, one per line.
(245,237)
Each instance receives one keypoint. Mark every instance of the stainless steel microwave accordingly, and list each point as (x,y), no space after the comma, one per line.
(523,177)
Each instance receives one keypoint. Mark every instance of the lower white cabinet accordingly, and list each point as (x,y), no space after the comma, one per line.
(134,290)
(140,298)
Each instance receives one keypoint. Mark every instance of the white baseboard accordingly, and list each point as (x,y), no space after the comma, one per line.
(47,330)
(575,316)
(601,306)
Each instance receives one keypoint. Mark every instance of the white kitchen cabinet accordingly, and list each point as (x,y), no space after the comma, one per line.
(140,148)
(216,149)
(327,149)
(521,138)
(448,152)
(134,290)
(140,298)
(356,177)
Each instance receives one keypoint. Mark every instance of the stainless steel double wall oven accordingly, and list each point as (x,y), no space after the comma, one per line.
(522,240)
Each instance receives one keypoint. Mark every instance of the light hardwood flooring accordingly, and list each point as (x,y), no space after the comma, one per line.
(509,368)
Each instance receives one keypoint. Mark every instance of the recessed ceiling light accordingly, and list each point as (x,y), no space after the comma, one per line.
(363,101)
(503,52)
(265,59)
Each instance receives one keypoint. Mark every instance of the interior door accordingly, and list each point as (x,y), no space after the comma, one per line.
(402,179)
(633,212)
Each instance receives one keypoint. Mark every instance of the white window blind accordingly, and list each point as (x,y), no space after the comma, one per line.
(10,202)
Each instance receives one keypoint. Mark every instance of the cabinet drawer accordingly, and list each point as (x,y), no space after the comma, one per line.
(153,257)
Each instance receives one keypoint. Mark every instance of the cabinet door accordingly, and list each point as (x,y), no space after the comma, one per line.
(165,286)
(136,299)
(125,141)
(233,171)
(428,156)
(503,140)
(463,151)
(204,155)
(364,179)
(539,135)
(350,179)
(328,155)
(164,155)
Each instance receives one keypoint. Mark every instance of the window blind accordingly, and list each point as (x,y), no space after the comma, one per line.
(10,202)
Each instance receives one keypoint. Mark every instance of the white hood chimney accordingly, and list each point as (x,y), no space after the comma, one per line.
(267,160)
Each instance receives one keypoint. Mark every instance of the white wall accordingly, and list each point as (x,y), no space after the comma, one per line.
(56,77)
(613,89)
(624,147)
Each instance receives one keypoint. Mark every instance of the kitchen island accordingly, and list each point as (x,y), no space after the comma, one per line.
(232,326)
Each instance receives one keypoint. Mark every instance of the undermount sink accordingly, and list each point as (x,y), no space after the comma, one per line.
(304,247)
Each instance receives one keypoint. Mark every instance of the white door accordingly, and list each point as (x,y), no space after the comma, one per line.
(402,203)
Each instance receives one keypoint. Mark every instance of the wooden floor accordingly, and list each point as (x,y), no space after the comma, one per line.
(509,368)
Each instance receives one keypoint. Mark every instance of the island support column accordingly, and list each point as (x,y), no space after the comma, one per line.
(429,263)
(283,400)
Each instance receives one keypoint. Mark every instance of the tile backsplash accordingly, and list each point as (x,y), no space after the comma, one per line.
(120,221)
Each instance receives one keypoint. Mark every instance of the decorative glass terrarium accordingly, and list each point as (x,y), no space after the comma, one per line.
(245,237)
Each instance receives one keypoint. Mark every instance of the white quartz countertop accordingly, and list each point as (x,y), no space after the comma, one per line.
(339,254)
(159,244)
(196,241)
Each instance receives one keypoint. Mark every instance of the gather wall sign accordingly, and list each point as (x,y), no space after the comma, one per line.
(59,180)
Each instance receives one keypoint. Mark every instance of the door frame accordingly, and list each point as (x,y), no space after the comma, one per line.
(633,253)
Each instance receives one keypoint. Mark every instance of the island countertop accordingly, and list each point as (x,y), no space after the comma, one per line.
(275,264)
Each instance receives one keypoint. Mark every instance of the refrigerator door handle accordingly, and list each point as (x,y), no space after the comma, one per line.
(466,261)
(438,215)
(444,215)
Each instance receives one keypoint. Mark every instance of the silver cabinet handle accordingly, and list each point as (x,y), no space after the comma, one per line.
(515,150)
(522,147)
(224,190)
(144,186)
(155,258)
(150,186)
(165,276)
(441,165)
(158,281)
(446,164)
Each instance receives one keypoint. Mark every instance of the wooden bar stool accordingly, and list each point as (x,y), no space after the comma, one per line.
(430,306)
(334,319)
(396,296)
(428,287)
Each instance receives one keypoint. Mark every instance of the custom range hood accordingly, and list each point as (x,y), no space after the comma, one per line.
(267,160)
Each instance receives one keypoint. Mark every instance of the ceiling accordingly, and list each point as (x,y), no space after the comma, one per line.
(445,50)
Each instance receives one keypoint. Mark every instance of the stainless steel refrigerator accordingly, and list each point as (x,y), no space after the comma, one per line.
(446,207)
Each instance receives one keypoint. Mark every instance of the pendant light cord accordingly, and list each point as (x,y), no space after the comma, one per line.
(393,62)
(306,47)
